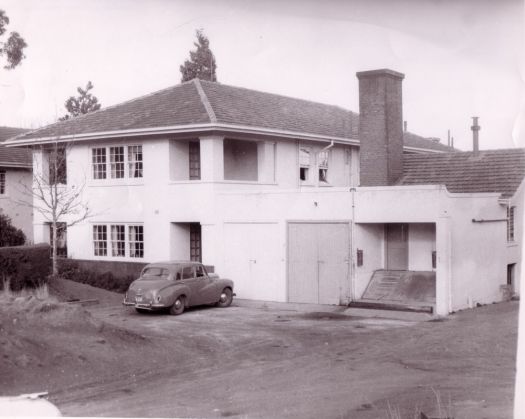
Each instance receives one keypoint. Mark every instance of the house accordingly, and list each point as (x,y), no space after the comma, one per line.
(293,200)
(15,172)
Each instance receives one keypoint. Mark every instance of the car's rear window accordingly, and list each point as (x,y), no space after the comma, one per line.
(155,273)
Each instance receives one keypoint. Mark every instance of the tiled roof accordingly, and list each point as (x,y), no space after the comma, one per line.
(416,141)
(203,102)
(13,157)
(499,171)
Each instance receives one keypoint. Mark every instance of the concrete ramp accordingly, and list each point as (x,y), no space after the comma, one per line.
(400,290)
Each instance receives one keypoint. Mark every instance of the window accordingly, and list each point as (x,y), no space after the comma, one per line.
(2,182)
(135,161)
(200,271)
(99,163)
(323,166)
(118,240)
(195,242)
(57,166)
(61,238)
(119,158)
(121,245)
(136,241)
(187,272)
(100,237)
(195,160)
(304,162)
(510,223)
(116,158)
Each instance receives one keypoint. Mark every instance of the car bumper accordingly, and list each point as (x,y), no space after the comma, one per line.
(143,306)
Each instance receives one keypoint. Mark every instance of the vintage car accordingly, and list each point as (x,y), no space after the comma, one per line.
(177,285)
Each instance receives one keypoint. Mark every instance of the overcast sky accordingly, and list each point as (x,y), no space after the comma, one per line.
(460,58)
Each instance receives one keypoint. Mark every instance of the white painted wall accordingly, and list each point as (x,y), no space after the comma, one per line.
(371,239)
(21,215)
(421,244)
(514,249)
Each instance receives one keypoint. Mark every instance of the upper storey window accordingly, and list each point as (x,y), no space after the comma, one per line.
(2,182)
(305,157)
(322,159)
(115,165)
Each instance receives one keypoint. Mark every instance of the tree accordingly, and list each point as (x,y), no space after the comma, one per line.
(9,234)
(13,47)
(59,202)
(84,103)
(201,64)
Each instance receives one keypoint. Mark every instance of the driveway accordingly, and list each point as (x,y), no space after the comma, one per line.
(258,359)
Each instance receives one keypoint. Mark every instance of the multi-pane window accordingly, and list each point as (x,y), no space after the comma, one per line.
(123,240)
(195,242)
(135,161)
(194,160)
(116,158)
(136,241)
(304,162)
(118,240)
(57,166)
(119,158)
(100,240)
(323,166)
(2,182)
(510,224)
(99,163)
(61,238)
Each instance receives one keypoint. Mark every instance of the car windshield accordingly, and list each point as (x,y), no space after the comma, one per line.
(155,273)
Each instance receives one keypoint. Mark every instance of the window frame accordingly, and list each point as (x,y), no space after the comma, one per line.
(108,242)
(323,166)
(511,223)
(117,162)
(3,182)
(305,166)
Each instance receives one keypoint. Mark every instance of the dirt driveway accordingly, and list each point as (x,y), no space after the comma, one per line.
(257,359)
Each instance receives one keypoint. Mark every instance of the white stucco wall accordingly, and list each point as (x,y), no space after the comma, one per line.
(514,249)
(370,238)
(421,244)
(21,215)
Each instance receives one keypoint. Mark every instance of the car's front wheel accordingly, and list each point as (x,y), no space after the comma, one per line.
(226,298)
(178,306)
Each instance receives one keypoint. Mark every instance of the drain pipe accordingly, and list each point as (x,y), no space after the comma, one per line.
(352,249)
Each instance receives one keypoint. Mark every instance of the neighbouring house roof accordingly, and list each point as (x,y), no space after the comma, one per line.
(13,157)
(200,105)
(499,171)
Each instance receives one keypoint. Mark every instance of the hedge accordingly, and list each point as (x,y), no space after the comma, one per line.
(25,266)
(75,271)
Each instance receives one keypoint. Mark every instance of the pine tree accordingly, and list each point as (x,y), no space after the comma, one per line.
(201,64)
(84,103)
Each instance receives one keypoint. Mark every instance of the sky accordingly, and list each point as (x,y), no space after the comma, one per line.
(460,58)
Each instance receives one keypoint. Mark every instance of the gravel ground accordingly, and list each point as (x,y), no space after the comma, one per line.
(258,359)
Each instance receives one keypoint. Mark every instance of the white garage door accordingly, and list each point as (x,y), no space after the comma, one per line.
(318,262)
(253,260)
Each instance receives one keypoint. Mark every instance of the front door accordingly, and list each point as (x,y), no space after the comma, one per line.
(396,238)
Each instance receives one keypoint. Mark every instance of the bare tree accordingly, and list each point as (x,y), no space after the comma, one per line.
(58,201)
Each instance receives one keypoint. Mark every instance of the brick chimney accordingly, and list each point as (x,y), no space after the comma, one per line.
(380,127)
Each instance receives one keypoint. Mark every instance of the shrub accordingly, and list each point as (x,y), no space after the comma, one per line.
(25,266)
(69,269)
(9,234)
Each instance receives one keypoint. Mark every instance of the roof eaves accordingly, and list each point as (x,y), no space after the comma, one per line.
(181,129)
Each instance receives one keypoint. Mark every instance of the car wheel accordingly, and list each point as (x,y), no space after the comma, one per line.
(226,298)
(178,306)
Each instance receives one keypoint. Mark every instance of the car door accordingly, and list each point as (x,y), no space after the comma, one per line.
(201,286)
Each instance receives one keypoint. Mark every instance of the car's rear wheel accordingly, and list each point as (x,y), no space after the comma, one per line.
(178,306)
(226,298)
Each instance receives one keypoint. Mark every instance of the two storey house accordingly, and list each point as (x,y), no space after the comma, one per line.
(293,200)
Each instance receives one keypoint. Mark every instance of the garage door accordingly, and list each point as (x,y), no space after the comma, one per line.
(318,262)
(253,260)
